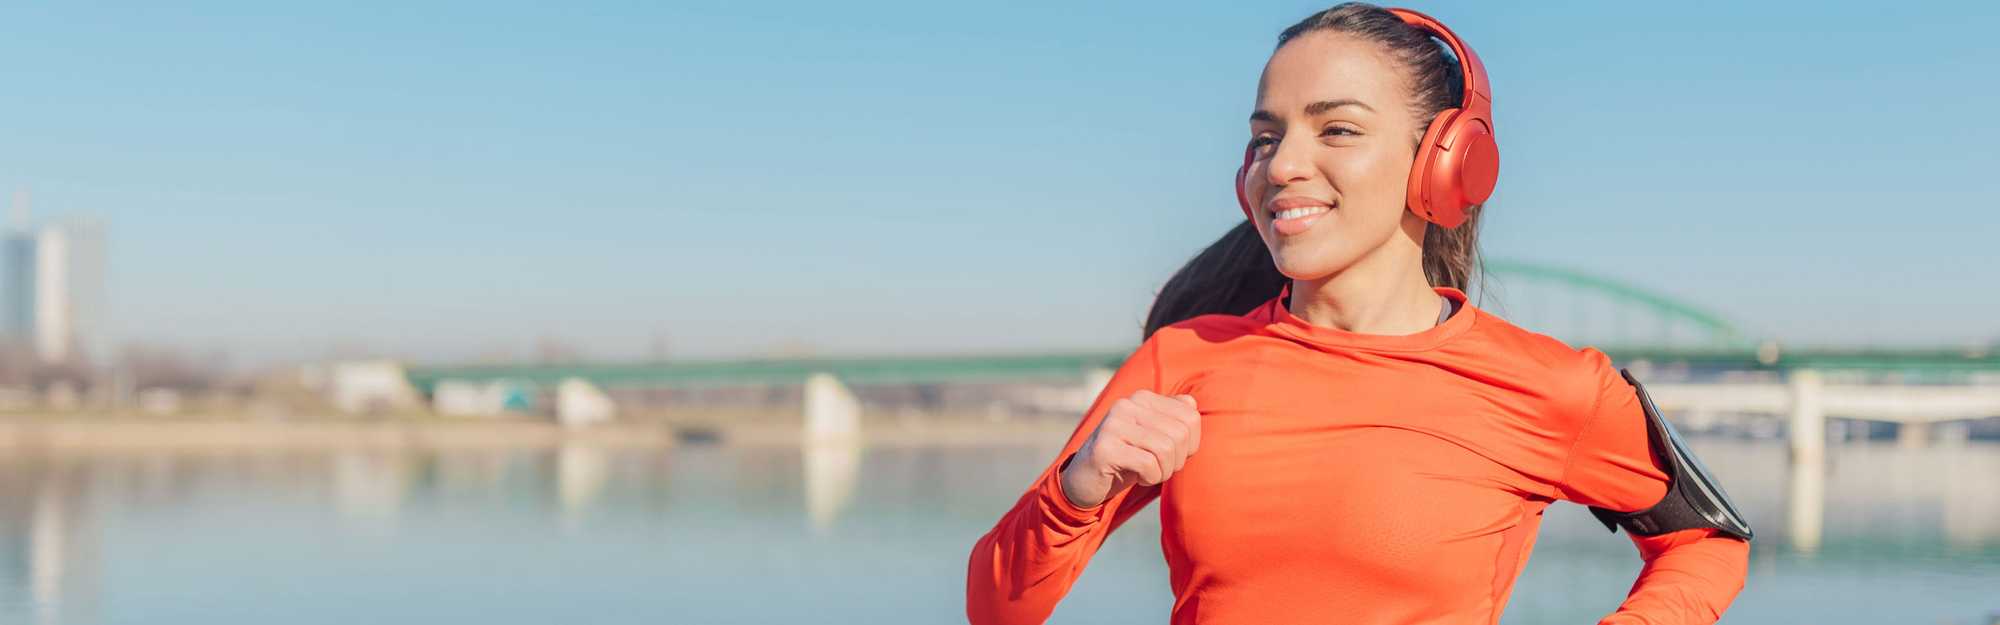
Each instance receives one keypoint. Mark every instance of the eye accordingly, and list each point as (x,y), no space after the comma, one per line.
(1339,131)
(1259,142)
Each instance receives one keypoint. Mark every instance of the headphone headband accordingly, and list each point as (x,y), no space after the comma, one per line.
(1472,73)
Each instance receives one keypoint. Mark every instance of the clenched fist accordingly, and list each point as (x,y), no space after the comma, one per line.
(1145,439)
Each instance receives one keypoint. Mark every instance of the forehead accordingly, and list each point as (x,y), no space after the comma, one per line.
(1329,66)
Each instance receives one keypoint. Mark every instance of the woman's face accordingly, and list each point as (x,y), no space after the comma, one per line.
(1333,139)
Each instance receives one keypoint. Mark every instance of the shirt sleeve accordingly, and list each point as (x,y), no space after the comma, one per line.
(1027,562)
(1690,576)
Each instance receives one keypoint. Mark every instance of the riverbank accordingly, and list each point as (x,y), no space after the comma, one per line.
(80,435)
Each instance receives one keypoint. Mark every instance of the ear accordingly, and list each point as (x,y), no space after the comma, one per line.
(1415,226)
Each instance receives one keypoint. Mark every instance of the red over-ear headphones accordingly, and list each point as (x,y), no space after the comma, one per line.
(1457,161)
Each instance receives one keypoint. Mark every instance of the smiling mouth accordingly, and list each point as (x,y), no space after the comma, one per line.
(1296,219)
(1296,213)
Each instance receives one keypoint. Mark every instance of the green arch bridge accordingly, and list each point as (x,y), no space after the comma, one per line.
(1654,327)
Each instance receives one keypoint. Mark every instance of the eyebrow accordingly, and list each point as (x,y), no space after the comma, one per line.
(1315,108)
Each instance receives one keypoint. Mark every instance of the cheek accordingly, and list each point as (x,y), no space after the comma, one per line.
(1376,167)
(1255,187)
(1256,190)
(1373,186)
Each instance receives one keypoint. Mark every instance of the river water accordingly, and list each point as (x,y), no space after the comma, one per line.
(780,534)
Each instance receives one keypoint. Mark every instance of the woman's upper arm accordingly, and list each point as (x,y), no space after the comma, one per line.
(1610,463)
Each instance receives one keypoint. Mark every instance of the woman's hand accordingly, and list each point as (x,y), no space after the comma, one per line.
(1145,439)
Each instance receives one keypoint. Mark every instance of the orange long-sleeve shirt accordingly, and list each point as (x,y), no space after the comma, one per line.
(1365,479)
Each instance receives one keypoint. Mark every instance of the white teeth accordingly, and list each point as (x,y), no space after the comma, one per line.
(1295,213)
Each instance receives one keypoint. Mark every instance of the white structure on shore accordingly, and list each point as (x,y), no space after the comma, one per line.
(52,285)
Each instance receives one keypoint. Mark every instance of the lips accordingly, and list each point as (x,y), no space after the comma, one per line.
(1295,215)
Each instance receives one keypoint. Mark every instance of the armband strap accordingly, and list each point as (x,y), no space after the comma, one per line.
(1694,498)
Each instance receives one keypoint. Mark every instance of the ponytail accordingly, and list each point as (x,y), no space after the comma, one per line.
(1233,276)
(1451,256)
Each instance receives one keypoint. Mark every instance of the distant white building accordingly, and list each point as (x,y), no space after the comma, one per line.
(52,287)
(17,285)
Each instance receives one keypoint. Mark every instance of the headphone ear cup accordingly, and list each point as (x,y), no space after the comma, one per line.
(1421,197)
(1455,169)
(1478,162)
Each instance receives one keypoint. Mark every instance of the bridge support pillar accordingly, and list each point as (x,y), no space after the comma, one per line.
(831,449)
(1806,492)
(832,412)
(1913,435)
(580,403)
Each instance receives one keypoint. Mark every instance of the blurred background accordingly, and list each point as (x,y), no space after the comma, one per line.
(509,312)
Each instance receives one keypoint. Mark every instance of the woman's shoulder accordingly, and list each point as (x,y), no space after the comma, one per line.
(1209,329)
(1497,332)
(1573,375)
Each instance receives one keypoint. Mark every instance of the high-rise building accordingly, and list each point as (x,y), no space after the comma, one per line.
(69,289)
(52,286)
(17,285)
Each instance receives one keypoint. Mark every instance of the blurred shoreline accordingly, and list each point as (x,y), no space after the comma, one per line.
(78,434)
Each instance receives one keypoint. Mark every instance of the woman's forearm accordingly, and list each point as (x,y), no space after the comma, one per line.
(1689,578)
(1025,565)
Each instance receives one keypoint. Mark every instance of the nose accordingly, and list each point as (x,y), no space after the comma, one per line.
(1289,162)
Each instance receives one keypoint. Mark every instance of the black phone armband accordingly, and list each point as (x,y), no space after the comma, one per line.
(1694,498)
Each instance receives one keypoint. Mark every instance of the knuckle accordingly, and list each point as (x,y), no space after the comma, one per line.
(1140,447)
(1135,463)
(1123,405)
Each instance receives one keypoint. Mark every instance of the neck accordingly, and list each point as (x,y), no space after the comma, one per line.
(1385,292)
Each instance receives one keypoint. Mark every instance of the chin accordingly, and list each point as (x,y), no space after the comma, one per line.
(1298,265)
(1322,254)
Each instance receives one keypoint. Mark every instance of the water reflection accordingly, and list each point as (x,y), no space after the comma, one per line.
(1805,498)
(369,486)
(784,534)
(50,572)
(831,468)
(582,470)
(47,544)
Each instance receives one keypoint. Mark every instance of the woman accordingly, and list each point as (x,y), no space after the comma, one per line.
(1333,434)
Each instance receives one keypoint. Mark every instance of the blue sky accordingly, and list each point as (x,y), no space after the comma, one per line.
(453,180)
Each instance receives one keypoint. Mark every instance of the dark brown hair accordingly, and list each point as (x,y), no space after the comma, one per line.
(1236,273)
